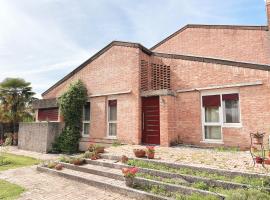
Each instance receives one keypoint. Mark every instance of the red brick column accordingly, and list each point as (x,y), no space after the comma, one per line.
(167,120)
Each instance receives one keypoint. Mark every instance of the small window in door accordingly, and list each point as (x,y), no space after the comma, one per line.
(112,118)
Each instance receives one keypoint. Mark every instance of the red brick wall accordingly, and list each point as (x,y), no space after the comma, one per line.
(115,71)
(254,100)
(231,44)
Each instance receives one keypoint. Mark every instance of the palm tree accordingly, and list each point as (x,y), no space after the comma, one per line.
(16,97)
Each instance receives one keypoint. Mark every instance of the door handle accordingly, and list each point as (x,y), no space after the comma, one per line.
(143,120)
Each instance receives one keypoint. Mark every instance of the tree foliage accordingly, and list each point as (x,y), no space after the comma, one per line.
(16,97)
(71,106)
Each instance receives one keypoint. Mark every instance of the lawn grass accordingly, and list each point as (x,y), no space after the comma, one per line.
(9,191)
(11,161)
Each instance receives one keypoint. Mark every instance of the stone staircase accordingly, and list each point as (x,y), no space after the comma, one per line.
(106,173)
(95,174)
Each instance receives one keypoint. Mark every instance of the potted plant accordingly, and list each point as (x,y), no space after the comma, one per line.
(150,152)
(259,160)
(258,138)
(129,174)
(124,159)
(139,153)
(58,166)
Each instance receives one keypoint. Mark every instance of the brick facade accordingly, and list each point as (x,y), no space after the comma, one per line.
(179,70)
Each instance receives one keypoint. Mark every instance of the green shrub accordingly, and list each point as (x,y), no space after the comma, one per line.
(71,106)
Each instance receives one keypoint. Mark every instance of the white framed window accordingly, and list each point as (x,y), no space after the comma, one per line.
(219,109)
(86,120)
(112,118)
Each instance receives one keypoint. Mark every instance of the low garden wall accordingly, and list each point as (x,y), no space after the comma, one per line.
(38,136)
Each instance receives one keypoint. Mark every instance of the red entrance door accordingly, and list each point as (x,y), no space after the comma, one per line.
(150,120)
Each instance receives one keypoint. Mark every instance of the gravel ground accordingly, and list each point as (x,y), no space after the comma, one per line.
(214,158)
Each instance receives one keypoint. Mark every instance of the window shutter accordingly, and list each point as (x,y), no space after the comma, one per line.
(213,101)
(112,102)
(48,114)
(230,97)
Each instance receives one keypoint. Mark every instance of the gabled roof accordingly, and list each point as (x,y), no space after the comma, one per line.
(95,56)
(235,27)
(164,55)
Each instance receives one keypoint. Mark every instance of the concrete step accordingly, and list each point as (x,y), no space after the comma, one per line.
(110,163)
(114,176)
(102,182)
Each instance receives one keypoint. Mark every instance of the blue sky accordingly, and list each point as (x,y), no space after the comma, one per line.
(43,40)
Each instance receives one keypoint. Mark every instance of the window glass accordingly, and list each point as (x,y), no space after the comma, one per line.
(211,114)
(86,116)
(86,128)
(112,117)
(212,132)
(112,129)
(231,111)
(113,113)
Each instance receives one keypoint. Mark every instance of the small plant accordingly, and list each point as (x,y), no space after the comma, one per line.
(58,166)
(96,148)
(87,154)
(150,152)
(129,174)
(77,161)
(64,159)
(51,165)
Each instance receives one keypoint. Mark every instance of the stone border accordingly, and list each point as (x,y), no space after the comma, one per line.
(133,193)
(229,173)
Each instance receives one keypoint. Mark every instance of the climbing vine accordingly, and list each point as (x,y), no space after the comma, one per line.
(71,106)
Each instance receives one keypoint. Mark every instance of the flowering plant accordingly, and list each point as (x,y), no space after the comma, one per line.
(150,149)
(130,172)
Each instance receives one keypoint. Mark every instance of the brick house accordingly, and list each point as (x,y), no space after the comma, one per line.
(204,85)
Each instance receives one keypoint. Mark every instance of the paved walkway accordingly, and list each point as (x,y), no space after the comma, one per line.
(43,186)
(213,158)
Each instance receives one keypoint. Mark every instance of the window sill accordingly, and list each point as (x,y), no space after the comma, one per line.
(228,125)
(111,137)
(85,136)
(212,142)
